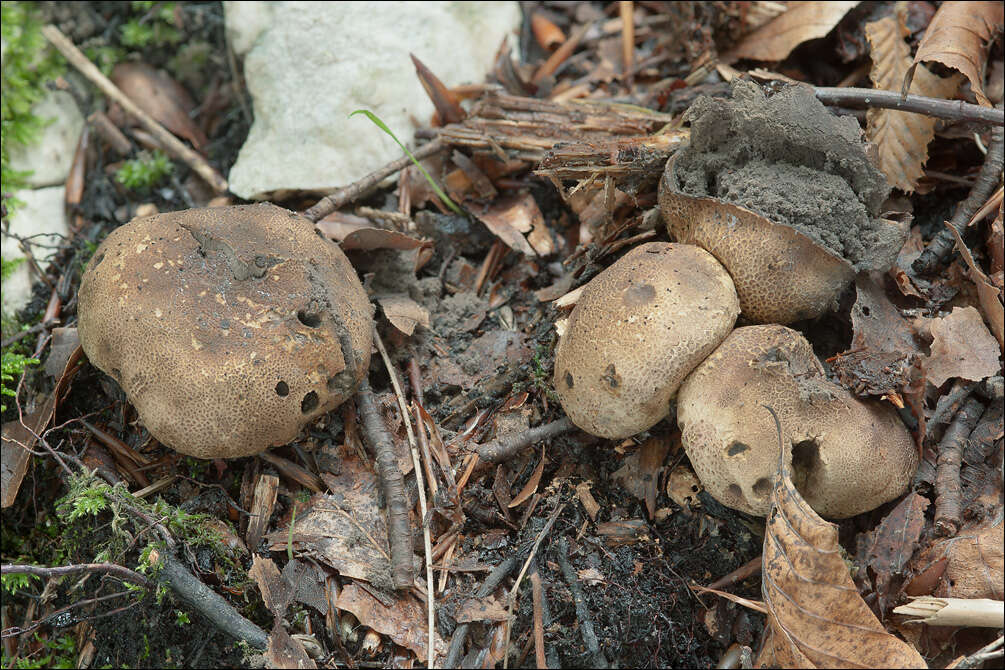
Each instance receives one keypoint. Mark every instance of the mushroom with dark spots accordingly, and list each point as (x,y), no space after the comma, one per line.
(228,328)
(847,456)
(638,329)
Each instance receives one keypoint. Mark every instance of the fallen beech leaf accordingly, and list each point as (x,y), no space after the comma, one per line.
(816,617)
(958,37)
(802,21)
(276,593)
(363,236)
(887,548)
(403,620)
(160,96)
(404,313)
(901,137)
(962,347)
(975,560)
(475,610)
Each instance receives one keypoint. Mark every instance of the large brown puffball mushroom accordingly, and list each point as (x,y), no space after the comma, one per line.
(783,193)
(847,456)
(638,328)
(229,329)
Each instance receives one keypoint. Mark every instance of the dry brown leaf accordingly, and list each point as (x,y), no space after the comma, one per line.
(403,620)
(887,548)
(988,295)
(816,617)
(958,37)
(285,651)
(962,347)
(361,235)
(640,473)
(530,488)
(902,138)
(802,21)
(975,560)
(476,610)
(160,96)
(347,531)
(15,453)
(448,109)
(404,313)
(276,593)
(508,218)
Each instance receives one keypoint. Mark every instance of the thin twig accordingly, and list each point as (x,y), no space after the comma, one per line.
(582,613)
(538,598)
(516,586)
(748,569)
(172,144)
(362,187)
(417,465)
(982,655)
(498,451)
(399,535)
(952,110)
(948,403)
(948,500)
(985,184)
(119,571)
(490,584)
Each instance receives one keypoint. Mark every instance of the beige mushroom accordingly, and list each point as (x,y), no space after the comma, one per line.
(638,329)
(229,329)
(783,194)
(847,456)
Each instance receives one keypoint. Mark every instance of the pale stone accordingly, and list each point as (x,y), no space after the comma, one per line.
(41,222)
(49,158)
(316,62)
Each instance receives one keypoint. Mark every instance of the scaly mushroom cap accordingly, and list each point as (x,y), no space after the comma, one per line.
(780,274)
(638,329)
(847,456)
(229,329)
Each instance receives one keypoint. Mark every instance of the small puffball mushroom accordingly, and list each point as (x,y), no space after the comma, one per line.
(229,328)
(638,329)
(847,456)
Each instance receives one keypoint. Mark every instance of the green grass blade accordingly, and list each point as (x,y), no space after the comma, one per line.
(436,188)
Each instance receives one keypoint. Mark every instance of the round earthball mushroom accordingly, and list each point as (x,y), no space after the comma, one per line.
(638,329)
(783,193)
(847,456)
(229,328)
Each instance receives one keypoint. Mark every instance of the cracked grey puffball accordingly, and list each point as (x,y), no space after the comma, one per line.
(228,328)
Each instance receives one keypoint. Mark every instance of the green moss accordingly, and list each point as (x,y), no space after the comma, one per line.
(12,366)
(28,62)
(140,174)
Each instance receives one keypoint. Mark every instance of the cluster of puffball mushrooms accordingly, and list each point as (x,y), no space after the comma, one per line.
(230,329)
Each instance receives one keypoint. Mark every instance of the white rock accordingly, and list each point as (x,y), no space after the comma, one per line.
(314,63)
(41,218)
(49,158)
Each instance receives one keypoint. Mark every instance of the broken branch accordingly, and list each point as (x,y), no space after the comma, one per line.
(951,110)
(498,451)
(949,493)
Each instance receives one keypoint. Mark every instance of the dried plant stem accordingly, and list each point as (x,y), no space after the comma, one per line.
(417,465)
(119,571)
(362,187)
(498,451)
(948,501)
(490,584)
(399,535)
(952,110)
(537,594)
(988,179)
(516,585)
(172,144)
(748,569)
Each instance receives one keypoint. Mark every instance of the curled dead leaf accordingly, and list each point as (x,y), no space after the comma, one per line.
(404,313)
(961,347)
(802,21)
(160,96)
(816,617)
(958,37)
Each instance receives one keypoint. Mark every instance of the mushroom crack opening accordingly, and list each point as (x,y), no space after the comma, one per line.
(241,269)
